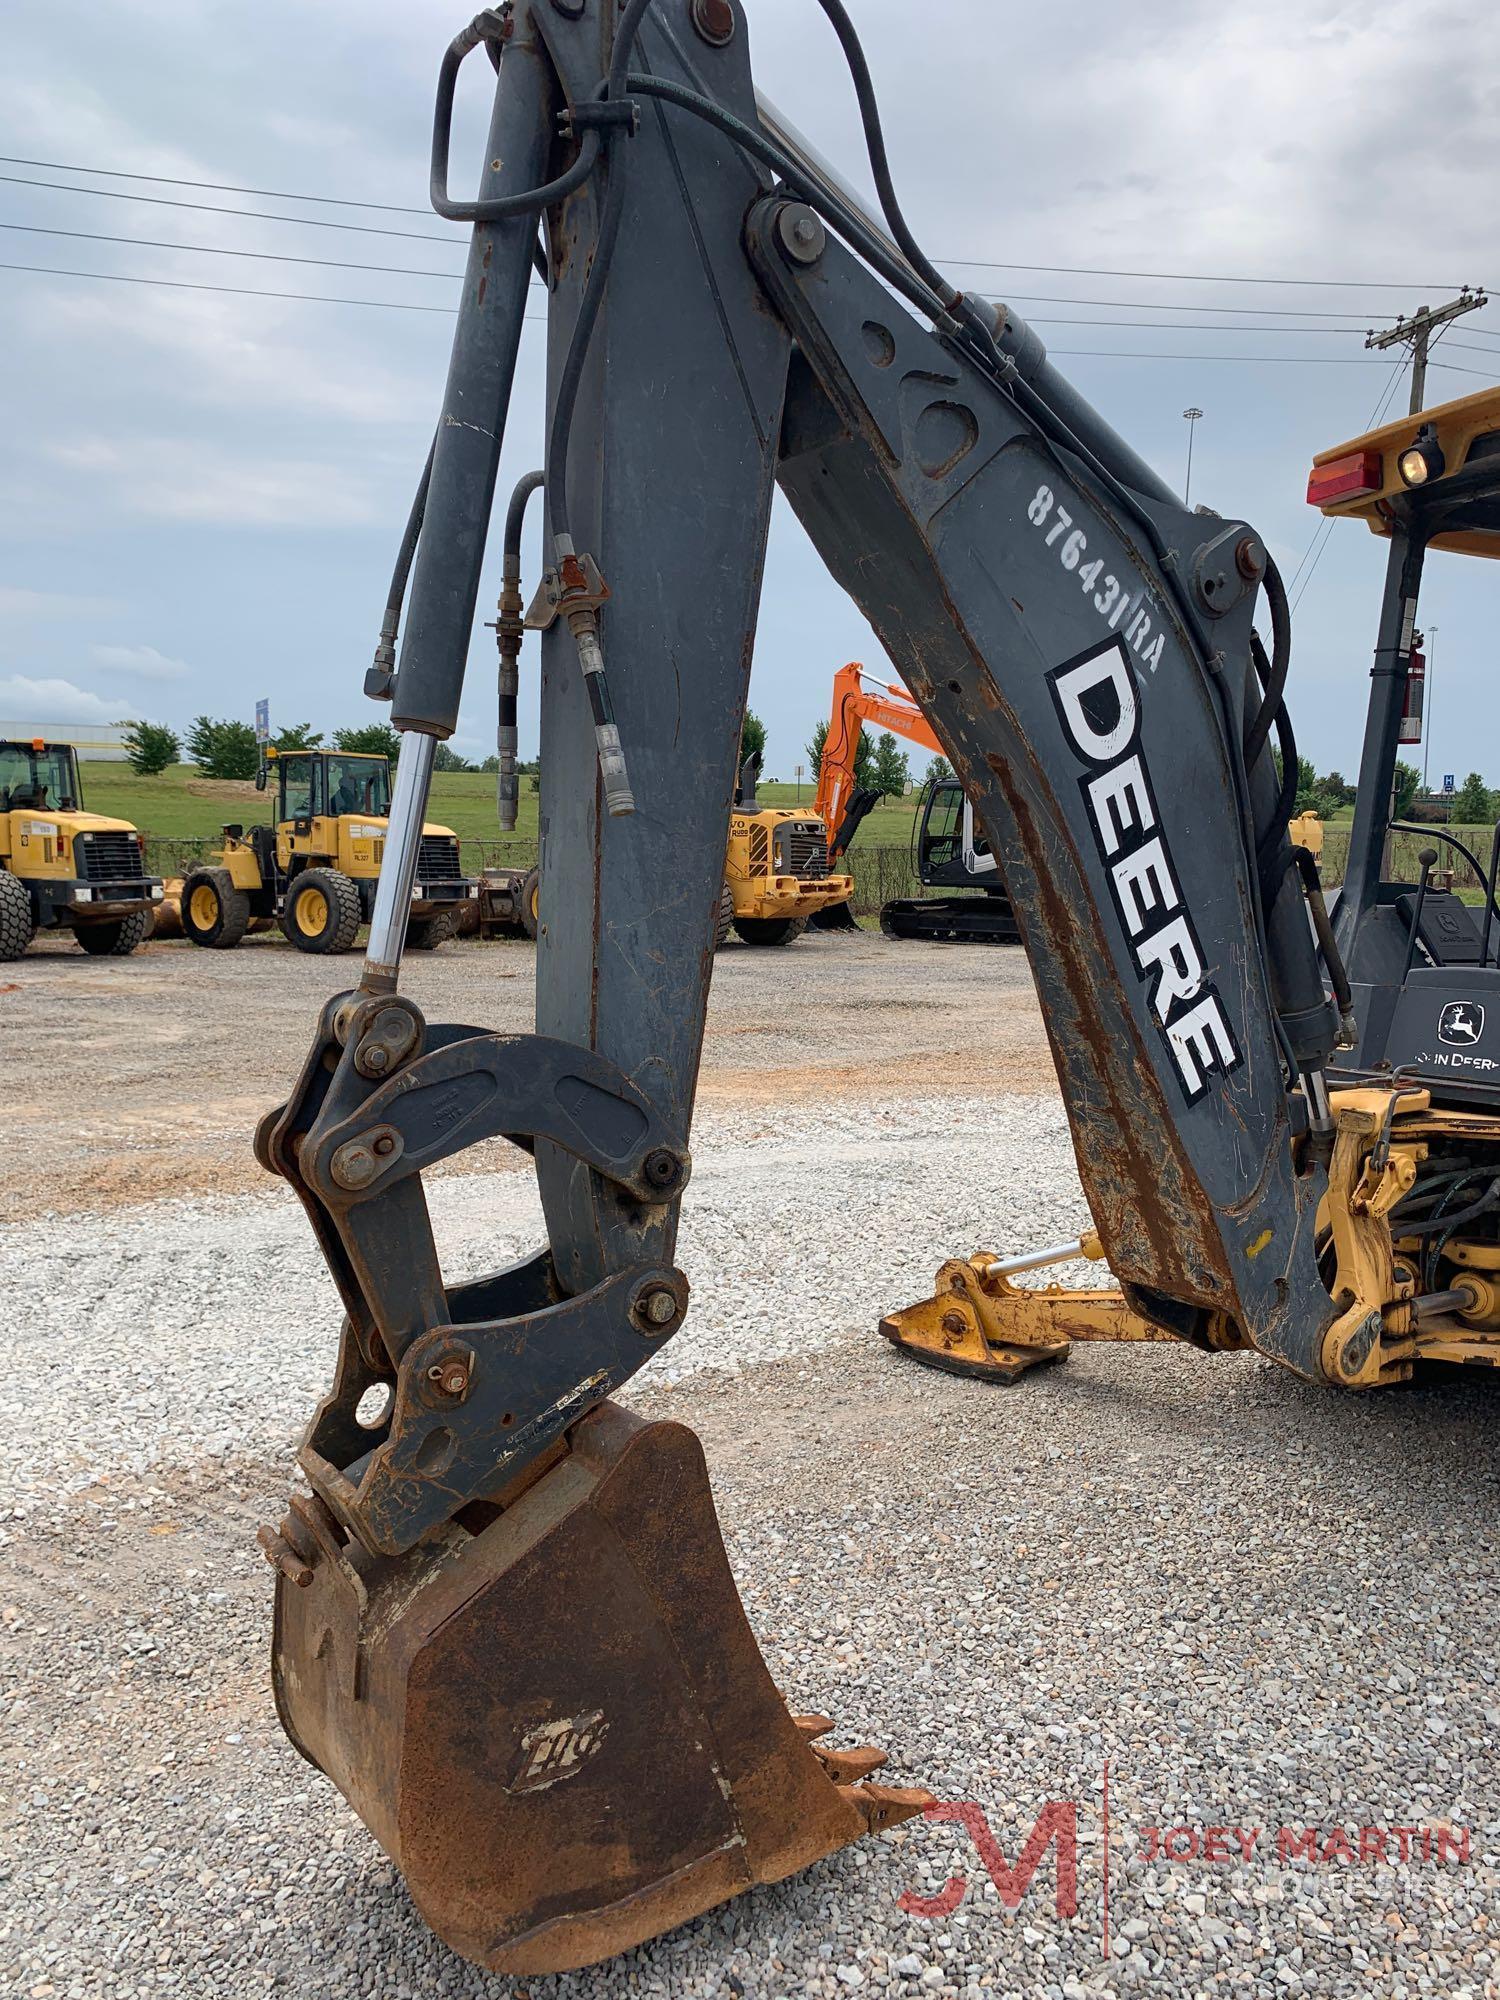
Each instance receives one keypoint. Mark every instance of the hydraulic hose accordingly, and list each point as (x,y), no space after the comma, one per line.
(1281,659)
(489,29)
(382,672)
(509,630)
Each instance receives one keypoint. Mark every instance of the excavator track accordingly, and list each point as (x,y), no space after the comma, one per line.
(952,920)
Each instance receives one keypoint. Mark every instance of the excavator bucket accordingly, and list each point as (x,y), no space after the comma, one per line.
(836,917)
(978,1323)
(556,1719)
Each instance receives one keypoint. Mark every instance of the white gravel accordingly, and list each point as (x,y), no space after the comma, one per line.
(1262,1604)
(186,1330)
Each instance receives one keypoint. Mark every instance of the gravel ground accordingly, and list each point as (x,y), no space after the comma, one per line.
(1263,1606)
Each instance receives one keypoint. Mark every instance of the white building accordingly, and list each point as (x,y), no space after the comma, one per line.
(95,742)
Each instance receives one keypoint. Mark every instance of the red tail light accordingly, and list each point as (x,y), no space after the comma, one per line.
(1345,478)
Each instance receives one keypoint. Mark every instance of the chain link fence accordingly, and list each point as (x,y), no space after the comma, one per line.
(883,874)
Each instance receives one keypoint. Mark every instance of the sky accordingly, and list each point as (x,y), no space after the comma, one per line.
(203,493)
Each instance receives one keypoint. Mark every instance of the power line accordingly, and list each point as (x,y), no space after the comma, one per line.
(1324,529)
(402,305)
(260,256)
(1200,277)
(406,271)
(1184,306)
(965,263)
(249,214)
(236,291)
(212,187)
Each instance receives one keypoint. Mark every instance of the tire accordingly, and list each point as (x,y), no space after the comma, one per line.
(530,903)
(427,933)
(214,913)
(17,927)
(726,918)
(322,911)
(117,938)
(770,930)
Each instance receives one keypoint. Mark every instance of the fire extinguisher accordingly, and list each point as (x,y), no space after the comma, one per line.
(1416,692)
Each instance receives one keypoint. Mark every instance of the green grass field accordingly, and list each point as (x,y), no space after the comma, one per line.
(181,814)
(179,807)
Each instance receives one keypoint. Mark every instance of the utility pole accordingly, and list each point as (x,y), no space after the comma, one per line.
(1192,413)
(1416,333)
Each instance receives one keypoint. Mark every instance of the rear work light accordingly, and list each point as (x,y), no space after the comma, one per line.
(1345,478)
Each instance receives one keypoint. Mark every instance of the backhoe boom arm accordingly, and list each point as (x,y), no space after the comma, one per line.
(721,319)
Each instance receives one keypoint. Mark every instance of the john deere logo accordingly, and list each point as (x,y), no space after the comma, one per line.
(1461,1023)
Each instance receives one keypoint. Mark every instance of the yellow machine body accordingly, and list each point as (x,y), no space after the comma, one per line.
(776,869)
(1359,479)
(979,1322)
(81,871)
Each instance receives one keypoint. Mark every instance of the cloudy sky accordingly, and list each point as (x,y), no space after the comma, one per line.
(203,491)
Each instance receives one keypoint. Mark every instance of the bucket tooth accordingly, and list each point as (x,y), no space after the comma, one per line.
(559,1725)
(847,1767)
(884,1806)
(813,1726)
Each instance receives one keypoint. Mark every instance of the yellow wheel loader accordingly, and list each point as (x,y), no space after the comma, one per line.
(314,870)
(776,876)
(62,868)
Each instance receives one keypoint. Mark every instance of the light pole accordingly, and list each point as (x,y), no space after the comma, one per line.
(1192,413)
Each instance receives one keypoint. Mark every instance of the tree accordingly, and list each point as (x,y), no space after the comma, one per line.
(446,758)
(374,739)
(753,736)
(892,770)
(222,748)
(301,736)
(490,764)
(151,746)
(1408,777)
(938,771)
(1472,805)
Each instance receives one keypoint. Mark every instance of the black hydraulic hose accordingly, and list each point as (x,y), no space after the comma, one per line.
(1481,875)
(406,554)
(529,201)
(880,168)
(515,513)
(1489,896)
(1487,1200)
(509,631)
(1281,660)
(1333,959)
(378,679)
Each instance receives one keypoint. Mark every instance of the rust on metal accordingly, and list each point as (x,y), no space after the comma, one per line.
(577,1659)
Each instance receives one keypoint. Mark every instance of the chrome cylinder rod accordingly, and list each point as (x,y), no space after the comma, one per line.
(1087,1245)
(398,867)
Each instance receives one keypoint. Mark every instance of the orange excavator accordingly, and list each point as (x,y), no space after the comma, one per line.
(950,849)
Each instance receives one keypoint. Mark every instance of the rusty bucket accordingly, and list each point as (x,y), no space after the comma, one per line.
(556,1719)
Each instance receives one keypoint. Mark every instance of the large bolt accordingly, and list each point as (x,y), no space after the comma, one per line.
(803,237)
(662,1169)
(375,1058)
(714,20)
(1250,558)
(657,1308)
(451,1376)
(354,1165)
